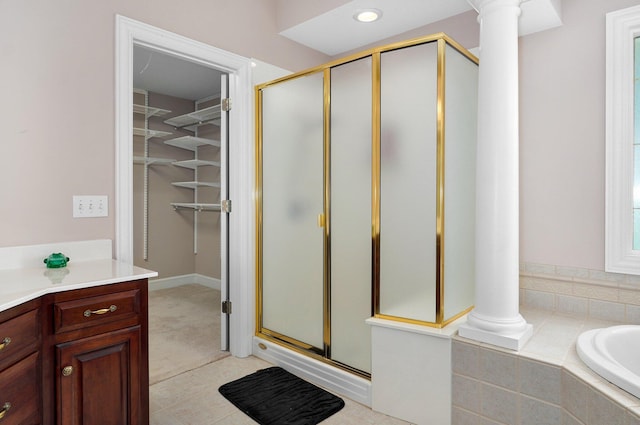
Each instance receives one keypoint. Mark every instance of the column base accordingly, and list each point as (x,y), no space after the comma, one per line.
(512,341)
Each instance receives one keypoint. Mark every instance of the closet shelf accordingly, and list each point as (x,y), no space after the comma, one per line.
(193,185)
(190,121)
(195,163)
(150,111)
(147,133)
(192,143)
(152,161)
(195,206)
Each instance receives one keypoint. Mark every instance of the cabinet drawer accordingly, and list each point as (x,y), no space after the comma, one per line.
(19,397)
(94,311)
(17,334)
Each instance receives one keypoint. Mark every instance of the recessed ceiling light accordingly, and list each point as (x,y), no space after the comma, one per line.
(367,15)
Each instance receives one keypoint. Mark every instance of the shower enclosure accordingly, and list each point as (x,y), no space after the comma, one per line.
(365,176)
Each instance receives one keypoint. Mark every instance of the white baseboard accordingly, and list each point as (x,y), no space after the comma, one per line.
(185,279)
(317,372)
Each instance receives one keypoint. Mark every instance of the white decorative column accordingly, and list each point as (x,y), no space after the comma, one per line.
(496,318)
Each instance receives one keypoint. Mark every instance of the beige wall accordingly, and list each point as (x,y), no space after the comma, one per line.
(57,104)
(562,138)
(57,112)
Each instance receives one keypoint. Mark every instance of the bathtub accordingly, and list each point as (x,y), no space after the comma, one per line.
(614,354)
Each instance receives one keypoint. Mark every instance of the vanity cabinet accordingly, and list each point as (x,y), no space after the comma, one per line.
(20,339)
(96,356)
(19,390)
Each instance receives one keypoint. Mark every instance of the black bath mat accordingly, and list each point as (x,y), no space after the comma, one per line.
(274,396)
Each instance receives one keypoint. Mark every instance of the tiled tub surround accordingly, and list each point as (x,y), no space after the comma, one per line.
(581,292)
(546,382)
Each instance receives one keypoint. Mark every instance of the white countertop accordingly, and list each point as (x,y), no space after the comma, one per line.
(26,283)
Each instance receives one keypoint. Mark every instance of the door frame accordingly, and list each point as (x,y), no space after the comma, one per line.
(241,255)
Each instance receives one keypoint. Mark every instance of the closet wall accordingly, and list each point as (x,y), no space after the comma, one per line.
(171,239)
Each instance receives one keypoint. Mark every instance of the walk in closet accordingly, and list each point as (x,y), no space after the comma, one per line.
(178,160)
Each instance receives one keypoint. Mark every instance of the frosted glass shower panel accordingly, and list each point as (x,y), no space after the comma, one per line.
(408,168)
(461,94)
(351,213)
(292,198)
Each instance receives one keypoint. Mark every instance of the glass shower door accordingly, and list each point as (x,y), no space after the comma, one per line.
(292,207)
(350,231)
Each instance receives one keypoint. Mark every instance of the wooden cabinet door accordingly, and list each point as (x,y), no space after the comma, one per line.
(103,385)
(20,393)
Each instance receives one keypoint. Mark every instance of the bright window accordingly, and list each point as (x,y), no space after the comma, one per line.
(622,252)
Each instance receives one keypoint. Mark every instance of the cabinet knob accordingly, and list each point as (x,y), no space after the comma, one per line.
(5,408)
(68,370)
(5,342)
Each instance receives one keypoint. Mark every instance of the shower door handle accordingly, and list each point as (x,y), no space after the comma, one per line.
(321,220)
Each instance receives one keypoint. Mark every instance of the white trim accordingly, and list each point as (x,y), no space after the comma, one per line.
(124,142)
(334,379)
(185,279)
(241,250)
(622,27)
(224,217)
(512,340)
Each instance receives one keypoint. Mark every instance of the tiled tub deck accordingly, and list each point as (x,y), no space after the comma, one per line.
(545,383)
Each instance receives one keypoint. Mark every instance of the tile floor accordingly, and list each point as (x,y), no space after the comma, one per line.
(192,398)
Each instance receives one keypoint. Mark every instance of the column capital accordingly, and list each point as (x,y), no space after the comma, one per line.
(485,6)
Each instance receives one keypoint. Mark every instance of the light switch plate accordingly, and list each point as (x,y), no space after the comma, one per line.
(90,206)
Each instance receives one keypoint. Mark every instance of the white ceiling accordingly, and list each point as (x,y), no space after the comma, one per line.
(336,31)
(161,73)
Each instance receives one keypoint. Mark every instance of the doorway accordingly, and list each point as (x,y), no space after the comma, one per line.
(179,227)
(236,281)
